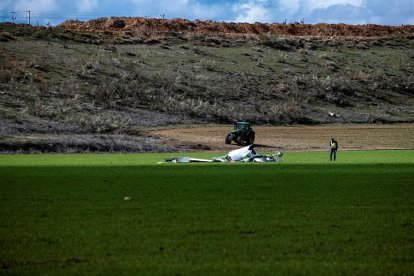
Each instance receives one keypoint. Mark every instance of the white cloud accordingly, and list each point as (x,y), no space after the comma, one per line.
(319,10)
(4,5)
(87,5)
(252,11)
(188,9)
(174,5)
(208,12)
(290,5)
(324,4)
(182,2)
(171,8)
(38,5)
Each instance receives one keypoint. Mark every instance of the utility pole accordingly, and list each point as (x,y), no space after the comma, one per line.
(28,15)
(14,15)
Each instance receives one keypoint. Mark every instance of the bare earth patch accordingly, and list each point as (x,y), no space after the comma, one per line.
(300,138)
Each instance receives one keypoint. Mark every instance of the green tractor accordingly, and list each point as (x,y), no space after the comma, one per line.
(242,134)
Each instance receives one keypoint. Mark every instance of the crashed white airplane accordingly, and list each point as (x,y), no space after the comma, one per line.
(245,154)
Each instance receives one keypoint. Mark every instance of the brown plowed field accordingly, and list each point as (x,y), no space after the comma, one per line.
(296,138)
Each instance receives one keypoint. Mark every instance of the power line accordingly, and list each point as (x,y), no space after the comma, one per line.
(20,16)
(28,15)
(14,16)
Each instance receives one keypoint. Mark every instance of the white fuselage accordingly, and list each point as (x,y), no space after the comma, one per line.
(240,154)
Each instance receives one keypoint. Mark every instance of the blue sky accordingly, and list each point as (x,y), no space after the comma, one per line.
(386,12)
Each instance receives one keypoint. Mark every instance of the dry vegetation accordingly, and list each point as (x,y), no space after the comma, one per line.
(114,81)
(152,27)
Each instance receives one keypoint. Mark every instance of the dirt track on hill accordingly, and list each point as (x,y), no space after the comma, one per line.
(294,138)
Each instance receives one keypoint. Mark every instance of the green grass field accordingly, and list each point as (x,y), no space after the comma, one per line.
(65,214)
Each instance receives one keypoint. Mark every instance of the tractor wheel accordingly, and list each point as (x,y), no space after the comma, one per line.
(251,138)
(228,139)
(240,141)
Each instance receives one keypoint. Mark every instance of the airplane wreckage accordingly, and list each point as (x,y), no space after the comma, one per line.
(245,154)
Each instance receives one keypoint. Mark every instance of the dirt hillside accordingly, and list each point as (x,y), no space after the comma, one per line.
(150,27)
(105,84)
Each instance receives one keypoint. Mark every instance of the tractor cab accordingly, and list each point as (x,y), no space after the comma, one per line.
(242,134)
(242,126)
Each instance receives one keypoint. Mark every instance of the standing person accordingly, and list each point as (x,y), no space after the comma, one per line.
(334,148)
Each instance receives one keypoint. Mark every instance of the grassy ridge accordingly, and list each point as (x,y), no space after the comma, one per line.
(59,214)
(62,81)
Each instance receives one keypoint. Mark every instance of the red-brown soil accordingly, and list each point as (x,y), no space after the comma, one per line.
(151,27)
